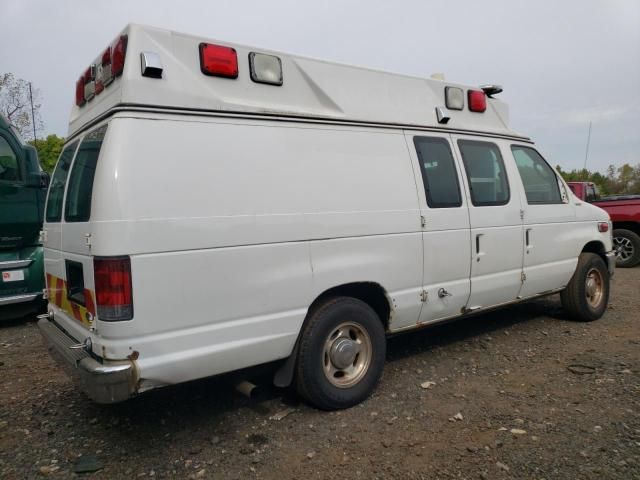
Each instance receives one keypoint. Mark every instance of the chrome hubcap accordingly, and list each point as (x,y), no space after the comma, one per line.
(347,354)
(594,287)
(623,248)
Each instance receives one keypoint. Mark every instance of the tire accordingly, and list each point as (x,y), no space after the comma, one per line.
(627,246)
(587,294)
(329,373)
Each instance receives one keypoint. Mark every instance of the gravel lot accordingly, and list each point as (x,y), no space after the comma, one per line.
(520,393)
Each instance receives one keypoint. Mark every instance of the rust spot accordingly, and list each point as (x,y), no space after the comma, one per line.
(134,355)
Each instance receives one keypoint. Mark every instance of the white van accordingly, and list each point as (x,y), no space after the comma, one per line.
(218,206)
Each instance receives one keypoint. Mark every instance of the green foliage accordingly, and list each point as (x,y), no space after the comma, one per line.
(48,151)
(621,180)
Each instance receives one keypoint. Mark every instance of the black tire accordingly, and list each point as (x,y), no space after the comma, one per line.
(627,246)
(312,383)
(577,299)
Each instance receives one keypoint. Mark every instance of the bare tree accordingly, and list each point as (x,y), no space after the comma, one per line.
(15,105)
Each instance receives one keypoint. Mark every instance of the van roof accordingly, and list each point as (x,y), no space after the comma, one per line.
(311,89)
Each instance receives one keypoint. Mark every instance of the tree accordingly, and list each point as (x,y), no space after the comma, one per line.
(622,180)
(15,104)
(48,151)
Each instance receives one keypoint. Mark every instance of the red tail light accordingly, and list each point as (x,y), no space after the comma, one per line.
(477,101)
(218,61)
(118,53)
(113,288)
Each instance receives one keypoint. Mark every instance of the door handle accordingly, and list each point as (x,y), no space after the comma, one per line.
(478,252)
(528,238)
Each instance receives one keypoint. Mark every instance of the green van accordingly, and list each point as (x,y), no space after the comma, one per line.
(23,189)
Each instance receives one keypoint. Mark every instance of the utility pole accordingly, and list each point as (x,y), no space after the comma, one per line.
(586,153)
(33,118)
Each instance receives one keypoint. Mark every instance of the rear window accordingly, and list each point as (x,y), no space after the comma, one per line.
(78,203)
(58,182)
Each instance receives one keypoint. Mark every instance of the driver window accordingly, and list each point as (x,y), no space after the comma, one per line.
(9,169)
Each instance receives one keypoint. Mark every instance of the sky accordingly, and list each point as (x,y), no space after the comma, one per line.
(563,64)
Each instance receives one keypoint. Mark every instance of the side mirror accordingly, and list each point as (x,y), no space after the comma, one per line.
(45,179)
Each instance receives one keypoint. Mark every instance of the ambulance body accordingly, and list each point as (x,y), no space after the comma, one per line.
(218,207)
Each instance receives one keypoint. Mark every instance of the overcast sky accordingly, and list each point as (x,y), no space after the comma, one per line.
(562,63)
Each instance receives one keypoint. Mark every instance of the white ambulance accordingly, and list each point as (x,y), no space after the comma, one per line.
(218,206)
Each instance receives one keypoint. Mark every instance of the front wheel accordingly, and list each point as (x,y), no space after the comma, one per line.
(587,294)
(627,247)
(341,355)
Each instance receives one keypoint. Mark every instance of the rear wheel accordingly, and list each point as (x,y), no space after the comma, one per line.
(341,355)
(627,246)
(587,293)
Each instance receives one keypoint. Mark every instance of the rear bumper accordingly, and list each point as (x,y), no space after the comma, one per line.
(106,382)
(611,262)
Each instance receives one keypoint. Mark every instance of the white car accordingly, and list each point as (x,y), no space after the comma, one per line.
(218,206)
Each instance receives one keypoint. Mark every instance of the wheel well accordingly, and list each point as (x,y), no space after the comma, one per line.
(370,293)
(597,248)
(633,226)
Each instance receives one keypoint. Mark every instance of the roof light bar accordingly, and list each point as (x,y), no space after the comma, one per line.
(454,98)
(477,100)
(265,68)
(218,61)
(89,83)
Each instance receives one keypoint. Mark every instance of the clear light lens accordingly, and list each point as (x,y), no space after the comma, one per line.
(454,98)
(265,68)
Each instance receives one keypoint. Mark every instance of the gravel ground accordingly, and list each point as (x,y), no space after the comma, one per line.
(519,393)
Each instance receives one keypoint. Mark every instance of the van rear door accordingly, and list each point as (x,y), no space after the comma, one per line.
(68,260)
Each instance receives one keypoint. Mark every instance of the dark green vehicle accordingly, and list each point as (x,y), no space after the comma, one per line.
(23,189)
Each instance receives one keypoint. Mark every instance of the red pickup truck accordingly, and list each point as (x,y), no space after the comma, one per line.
(624,211)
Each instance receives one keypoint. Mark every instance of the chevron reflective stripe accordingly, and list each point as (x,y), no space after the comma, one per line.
(57,290)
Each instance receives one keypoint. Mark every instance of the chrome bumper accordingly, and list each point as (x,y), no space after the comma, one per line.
(29,297)
(611,262)
(106,382)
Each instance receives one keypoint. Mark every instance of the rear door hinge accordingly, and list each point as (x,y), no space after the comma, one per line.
(424,296)
(521,214)
(423,221)
(523,276)
(87,238)
(43,236)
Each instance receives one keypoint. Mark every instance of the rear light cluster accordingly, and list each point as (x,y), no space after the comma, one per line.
(114,299)
(100,74)
(221,61)
(476,99)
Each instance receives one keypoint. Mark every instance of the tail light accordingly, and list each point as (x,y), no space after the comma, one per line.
(113,288)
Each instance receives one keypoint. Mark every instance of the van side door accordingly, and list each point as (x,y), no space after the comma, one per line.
(549,228)
(445,233)
(495,220)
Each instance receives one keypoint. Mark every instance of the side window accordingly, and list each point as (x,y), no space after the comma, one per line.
(438,172)
(539,180)
(58,182)
(78,204)
(9,168)
(486,173)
